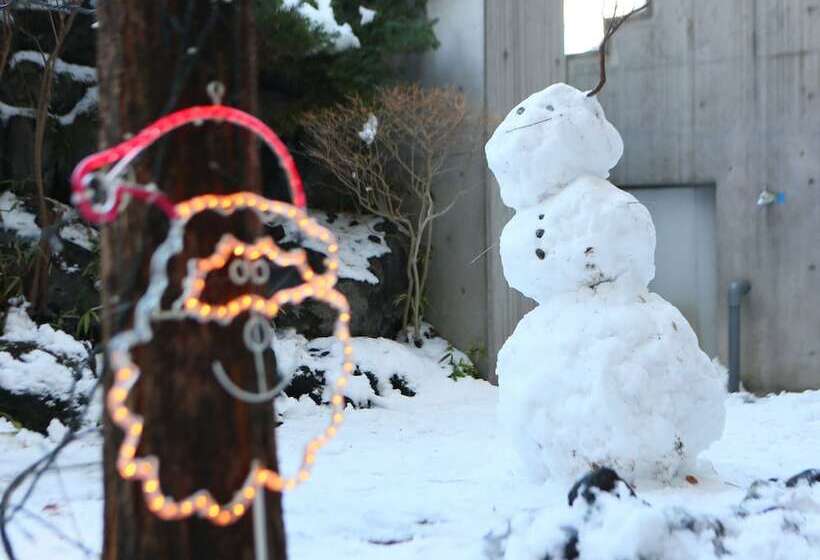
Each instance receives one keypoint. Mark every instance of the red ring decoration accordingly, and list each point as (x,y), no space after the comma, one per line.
(81,193)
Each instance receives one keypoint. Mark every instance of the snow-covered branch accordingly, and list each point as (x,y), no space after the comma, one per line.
(322,18)
(60,6)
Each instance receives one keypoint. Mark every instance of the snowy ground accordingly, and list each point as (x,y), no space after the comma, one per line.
(423,477)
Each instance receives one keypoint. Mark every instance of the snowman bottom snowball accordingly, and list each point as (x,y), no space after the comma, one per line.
(612,380)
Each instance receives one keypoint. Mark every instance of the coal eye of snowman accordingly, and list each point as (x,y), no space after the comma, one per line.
(521,110)
(550,108)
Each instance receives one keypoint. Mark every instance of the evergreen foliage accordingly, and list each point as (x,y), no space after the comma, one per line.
(299,70)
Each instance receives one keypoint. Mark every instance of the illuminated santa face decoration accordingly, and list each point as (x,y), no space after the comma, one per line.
(246,263)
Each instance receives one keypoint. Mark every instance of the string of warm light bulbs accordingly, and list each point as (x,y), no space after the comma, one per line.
(316,286)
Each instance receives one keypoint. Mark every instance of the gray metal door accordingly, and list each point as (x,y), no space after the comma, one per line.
(686,254)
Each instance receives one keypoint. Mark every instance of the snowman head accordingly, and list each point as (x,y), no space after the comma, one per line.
(592,235)
(549,139)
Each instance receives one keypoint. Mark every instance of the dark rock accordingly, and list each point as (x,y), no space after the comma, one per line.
(311,382)
(810,476)
(603,478)
(307,382)
(400,385)
(571,544)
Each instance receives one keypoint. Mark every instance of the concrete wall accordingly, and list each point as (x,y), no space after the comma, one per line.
(522,54)
(729,93)
(457,293)
(703,92)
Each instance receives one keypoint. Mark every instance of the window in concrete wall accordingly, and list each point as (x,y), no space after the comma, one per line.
(584,21)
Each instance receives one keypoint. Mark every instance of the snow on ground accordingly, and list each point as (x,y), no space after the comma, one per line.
(430,477)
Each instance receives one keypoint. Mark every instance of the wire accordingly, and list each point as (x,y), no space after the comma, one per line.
(36,470)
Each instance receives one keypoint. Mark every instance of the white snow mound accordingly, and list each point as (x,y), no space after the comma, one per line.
(603,378)
(590,234)
(549,139)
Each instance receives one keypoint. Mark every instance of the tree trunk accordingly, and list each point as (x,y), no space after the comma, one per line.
(155,57)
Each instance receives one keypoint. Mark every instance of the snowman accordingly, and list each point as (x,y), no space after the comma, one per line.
(602,372)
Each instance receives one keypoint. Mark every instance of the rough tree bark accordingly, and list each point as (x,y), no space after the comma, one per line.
(155,57)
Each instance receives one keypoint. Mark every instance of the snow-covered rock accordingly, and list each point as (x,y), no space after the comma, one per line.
(372,275)
(384,369)
(547,141)
(589,234)
(45,374)
(599,378)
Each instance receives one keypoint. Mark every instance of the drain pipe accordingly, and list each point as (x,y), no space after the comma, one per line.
(737,289)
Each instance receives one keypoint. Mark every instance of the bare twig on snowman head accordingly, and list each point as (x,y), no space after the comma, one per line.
(614,24)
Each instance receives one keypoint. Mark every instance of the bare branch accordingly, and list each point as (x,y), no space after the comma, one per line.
(614,24)
(392,173)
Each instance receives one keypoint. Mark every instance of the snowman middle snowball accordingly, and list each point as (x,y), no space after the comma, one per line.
(603,372)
